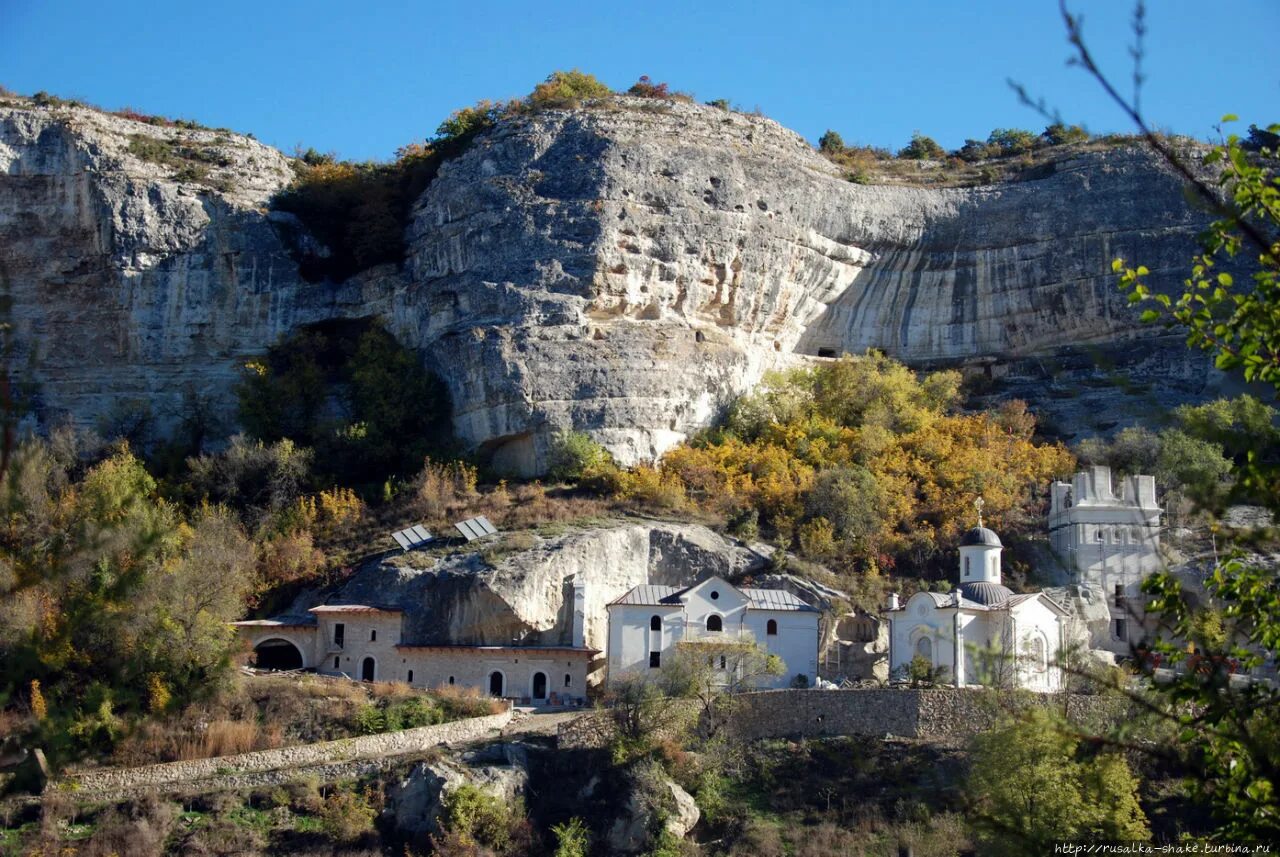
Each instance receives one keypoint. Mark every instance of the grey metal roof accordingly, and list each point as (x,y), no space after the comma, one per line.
(651,593)
(657,595)
(775,599)
(986,593)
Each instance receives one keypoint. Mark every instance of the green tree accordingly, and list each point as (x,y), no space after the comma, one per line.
(922,148)
(831,143)
(1012,141)
(1031,787)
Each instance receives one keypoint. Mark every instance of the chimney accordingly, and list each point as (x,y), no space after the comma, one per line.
(579,613)
(893,601)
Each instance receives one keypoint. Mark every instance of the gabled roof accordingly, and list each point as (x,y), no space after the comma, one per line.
(656,595)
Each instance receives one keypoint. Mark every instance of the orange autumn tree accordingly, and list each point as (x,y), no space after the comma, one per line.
(868,464)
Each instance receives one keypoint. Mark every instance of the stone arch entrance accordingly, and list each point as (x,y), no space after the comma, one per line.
(368,669)
(277,654)
(539,686)
(497,683)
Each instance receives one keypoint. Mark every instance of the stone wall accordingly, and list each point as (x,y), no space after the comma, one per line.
(934,713)
(266,767)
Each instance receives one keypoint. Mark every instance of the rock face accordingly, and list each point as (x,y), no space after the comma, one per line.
(528,596)
(414,804)
(624,269)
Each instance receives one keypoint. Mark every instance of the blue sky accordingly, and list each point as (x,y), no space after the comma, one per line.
(362,78)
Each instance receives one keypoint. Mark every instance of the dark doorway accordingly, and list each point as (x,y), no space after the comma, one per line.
(278,655)
(366,669)
(539,685)
(495,683)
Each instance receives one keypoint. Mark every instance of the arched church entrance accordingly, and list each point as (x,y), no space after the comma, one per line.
(496,682)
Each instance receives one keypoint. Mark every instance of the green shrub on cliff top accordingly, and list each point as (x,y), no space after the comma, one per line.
(567,89)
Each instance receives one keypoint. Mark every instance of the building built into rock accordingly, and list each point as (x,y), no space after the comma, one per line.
(367,642)
(1110,542)
(649,624)
(980,633)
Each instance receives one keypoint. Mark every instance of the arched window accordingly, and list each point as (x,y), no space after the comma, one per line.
(568,680)
(966,566)
(410,676)
(373,635)
(1036,653)
(924,648)
(655,623)
(714,624)
(771,628)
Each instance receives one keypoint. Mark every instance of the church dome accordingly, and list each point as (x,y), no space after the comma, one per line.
(981,536)
(985,592)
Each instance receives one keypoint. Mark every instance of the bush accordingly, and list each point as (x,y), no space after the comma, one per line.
(346,815)
(572,838)
(567,89)
(1058,134)
(574,454)
(476,817)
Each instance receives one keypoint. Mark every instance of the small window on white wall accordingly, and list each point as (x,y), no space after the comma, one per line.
(714,624)
(924,648)
(966,566)
(771,629)
(655,623)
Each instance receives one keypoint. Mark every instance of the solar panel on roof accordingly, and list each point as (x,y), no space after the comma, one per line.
(412,537)
(475,528)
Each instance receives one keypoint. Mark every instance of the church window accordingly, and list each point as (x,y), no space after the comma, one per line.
(410,679)
(336,660)
(1036,654)
(966,566)
(1122,630)
(714,624)
(339,634)
(655,660)
(715,596)
(722,662)
(1101,535)
(771,629)
(924,649)
(568,680)
(993,563)
(655,623)
(373,636)
(450,679)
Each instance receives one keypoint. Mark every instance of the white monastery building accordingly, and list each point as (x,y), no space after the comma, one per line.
(980,633)
(1110,542)
(366,642)
(649,622)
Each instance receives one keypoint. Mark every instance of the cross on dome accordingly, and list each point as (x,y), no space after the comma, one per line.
(978,504)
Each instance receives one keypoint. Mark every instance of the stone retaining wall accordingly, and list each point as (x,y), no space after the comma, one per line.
(902,712)
(242,769)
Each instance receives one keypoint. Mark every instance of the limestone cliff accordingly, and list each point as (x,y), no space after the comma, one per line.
(625,269)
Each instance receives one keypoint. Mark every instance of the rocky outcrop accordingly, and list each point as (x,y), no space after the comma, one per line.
(414,804)
(624,269)
(527,596)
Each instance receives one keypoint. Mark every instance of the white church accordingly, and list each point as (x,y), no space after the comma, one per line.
(980,633)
